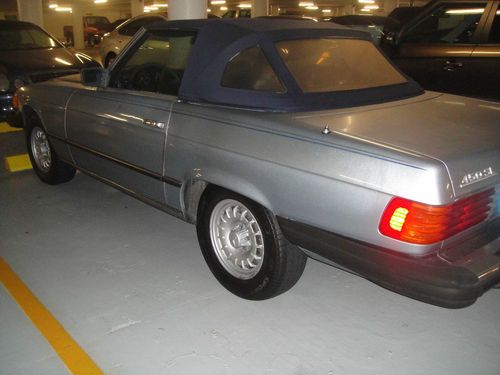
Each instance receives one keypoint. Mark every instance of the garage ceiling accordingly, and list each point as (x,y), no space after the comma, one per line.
(289,5)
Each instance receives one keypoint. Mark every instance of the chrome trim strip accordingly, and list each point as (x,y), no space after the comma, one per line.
(143,171)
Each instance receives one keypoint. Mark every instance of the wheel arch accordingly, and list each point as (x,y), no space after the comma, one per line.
(27,113)
(108,57)
(196,188)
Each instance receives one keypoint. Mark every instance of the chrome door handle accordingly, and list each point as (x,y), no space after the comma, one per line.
(153,123)
(451,65)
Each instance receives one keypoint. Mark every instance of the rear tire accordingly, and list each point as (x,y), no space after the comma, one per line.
(46,164)
(245,248)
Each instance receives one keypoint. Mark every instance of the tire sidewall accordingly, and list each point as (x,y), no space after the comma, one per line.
(254,288)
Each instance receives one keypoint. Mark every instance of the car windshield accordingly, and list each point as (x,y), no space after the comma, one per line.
(21,37)
(328,65)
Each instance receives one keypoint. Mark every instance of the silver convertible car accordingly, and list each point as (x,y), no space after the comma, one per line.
(283,140)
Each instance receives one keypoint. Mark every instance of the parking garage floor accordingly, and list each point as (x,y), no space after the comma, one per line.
(119,287)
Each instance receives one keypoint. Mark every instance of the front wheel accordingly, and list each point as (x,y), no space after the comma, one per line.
(46,164)
(244,247)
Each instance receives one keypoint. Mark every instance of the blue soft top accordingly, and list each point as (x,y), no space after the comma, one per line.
(218,40)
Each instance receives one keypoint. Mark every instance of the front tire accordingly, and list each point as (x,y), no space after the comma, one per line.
(244,247)
(46,164)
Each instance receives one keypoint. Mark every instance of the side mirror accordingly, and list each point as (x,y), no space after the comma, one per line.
(96,77)
(390,42)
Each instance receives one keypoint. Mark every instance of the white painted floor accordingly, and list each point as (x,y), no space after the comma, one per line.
(129,283)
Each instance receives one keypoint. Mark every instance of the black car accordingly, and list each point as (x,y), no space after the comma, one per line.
(27,55)
(452,46)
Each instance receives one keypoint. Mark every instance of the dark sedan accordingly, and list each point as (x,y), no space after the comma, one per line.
(27,55)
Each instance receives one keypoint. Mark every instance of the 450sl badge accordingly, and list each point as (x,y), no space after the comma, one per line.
(473,177)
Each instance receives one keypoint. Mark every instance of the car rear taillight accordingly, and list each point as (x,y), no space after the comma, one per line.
(420,223)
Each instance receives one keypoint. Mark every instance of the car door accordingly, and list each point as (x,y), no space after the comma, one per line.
(435,49)
(485,59)
(118,133)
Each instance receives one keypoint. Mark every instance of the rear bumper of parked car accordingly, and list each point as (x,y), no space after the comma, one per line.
(453,283)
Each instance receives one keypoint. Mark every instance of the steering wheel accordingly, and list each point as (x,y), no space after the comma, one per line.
(145,77)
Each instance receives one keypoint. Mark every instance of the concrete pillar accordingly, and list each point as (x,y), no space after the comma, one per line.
(275,10)
(187,9)
(77,21)
(136,7)
(349,9)
(389,5)
(31,11)
(260,8)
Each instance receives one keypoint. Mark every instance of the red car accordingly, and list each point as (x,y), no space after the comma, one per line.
(94,27)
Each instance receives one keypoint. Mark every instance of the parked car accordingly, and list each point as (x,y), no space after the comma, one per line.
(281,139)
(94,27)
(452,46)
(28,54)
(375,25)
(114,41)
(113,25)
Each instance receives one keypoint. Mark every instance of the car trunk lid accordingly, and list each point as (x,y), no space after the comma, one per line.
(462,133)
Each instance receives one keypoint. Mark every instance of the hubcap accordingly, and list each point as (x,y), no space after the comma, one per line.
(237,239)
(40,149)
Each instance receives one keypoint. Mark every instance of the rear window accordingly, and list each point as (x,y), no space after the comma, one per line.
(250,70)
(327,65)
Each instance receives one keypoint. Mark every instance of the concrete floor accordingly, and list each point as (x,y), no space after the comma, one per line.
(130,285)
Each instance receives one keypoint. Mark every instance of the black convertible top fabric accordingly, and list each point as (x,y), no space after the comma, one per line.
(218,40)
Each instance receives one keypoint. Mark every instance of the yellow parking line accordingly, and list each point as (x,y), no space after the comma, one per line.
(6,128)
(18,163)
(77,361)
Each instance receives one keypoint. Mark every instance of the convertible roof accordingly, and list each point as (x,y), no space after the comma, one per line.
(219,40)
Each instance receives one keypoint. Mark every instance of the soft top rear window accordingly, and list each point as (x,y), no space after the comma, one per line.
(329,65)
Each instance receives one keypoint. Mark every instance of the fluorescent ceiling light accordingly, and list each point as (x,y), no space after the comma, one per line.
(371,6)
(312,7)
(365,10)
(53,6)
(306,4)
(326,10)
(160,5)
(466,11)
(223,8)
(366,1)
(209,10)
(218,2)
(63,9)
(245,6)
(100,1)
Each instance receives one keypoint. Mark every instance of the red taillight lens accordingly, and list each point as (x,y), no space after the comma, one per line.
(420,223)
